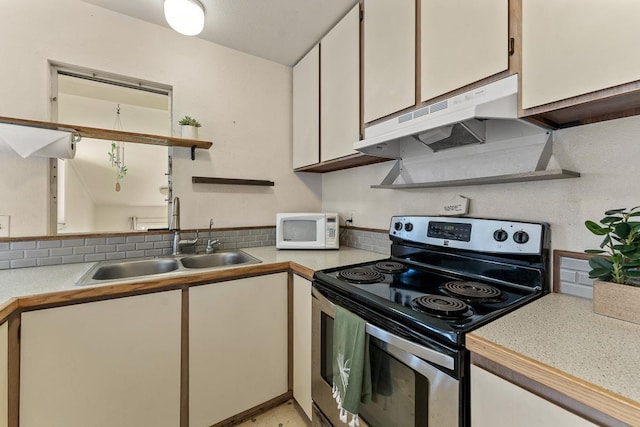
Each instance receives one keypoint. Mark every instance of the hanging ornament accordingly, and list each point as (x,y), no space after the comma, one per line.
(116,156)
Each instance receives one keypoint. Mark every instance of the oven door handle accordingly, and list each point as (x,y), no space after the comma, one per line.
(422,352)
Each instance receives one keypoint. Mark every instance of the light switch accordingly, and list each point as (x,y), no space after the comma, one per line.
(4,225)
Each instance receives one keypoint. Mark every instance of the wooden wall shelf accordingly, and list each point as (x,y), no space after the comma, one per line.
(114,135)
(231,181)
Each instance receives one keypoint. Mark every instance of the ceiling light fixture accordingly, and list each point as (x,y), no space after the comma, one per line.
(184,16)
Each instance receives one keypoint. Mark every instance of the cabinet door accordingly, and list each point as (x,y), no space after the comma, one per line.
(461,42)
(498,403)
(389,57)
(4,374)
(237,346)
(106,363)
(306,109)
(572,47)
(340,88)
(302,343)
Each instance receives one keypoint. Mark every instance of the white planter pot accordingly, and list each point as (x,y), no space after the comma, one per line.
(189,132)
(617,301)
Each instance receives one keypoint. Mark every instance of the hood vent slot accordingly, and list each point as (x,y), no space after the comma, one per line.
(457,135)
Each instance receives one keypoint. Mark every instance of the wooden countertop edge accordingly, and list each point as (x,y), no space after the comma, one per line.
(88,293)
(301,270)
(596,397)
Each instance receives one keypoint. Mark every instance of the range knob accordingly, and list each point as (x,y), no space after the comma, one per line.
(500,235)
(520,237)
(398,226)
(408,226)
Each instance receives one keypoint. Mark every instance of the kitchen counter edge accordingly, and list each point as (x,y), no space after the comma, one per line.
(558,348)
(35,287)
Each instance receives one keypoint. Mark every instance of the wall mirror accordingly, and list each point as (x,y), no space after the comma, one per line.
(111,186)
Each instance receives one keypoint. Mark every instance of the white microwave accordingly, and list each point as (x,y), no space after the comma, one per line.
(307,231)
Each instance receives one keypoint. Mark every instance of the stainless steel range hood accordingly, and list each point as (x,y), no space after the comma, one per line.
(473,117)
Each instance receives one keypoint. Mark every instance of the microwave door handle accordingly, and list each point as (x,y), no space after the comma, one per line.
(394,340)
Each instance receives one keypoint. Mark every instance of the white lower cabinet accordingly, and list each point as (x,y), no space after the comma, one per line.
(496,402)
(4,374)
(237,346)
(105,363)
(302,343)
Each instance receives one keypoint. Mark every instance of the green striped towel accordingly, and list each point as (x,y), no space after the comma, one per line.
(351,366)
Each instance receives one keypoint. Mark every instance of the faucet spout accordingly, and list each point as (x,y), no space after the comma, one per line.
(175,215)
(178,243)
(211,243)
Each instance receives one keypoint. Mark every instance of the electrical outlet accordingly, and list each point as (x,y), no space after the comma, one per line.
(350,217)
(4,226)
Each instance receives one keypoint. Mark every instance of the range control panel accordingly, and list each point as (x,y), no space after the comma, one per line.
(449,230)
(483,235)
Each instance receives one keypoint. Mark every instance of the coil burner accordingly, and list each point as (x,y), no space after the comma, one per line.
(473,291)
(390,267)
(360,275)
(441,306)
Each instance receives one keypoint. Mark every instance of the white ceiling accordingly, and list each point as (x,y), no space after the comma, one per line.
(278,30)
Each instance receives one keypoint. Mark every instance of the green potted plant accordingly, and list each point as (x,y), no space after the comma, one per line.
(616,264)
(189,127)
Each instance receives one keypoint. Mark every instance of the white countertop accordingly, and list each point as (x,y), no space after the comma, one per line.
(563,332)
(22,282)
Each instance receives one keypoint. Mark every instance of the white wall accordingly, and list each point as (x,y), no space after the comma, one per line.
(606,154)
(243,102)
(24,193)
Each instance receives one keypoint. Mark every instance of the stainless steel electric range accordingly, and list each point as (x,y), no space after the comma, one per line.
(445,277)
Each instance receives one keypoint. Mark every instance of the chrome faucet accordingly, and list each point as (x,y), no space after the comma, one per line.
(178,243)
(211,243)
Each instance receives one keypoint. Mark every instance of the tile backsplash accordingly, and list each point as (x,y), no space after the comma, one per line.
(574,277)
(35,253)
(75,249)
(373,241)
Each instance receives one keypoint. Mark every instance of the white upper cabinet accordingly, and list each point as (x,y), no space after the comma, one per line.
(340,88)
(572,47)
(461,42)
(306,109)
(389,57)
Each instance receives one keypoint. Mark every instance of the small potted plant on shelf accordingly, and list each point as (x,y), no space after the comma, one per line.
(189,127)
(616,265)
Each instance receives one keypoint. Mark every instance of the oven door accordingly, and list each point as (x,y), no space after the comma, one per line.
(406,390)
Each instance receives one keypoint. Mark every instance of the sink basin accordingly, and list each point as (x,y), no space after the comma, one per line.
(126,269)
(218,259)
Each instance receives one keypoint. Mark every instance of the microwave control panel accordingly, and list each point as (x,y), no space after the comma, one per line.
(331,231)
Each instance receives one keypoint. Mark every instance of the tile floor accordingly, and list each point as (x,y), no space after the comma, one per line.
(285,415)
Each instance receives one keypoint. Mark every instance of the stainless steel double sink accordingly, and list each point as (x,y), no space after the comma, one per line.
(161,266)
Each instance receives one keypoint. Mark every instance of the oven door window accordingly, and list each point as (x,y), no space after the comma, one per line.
(399,394)
(299,230)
